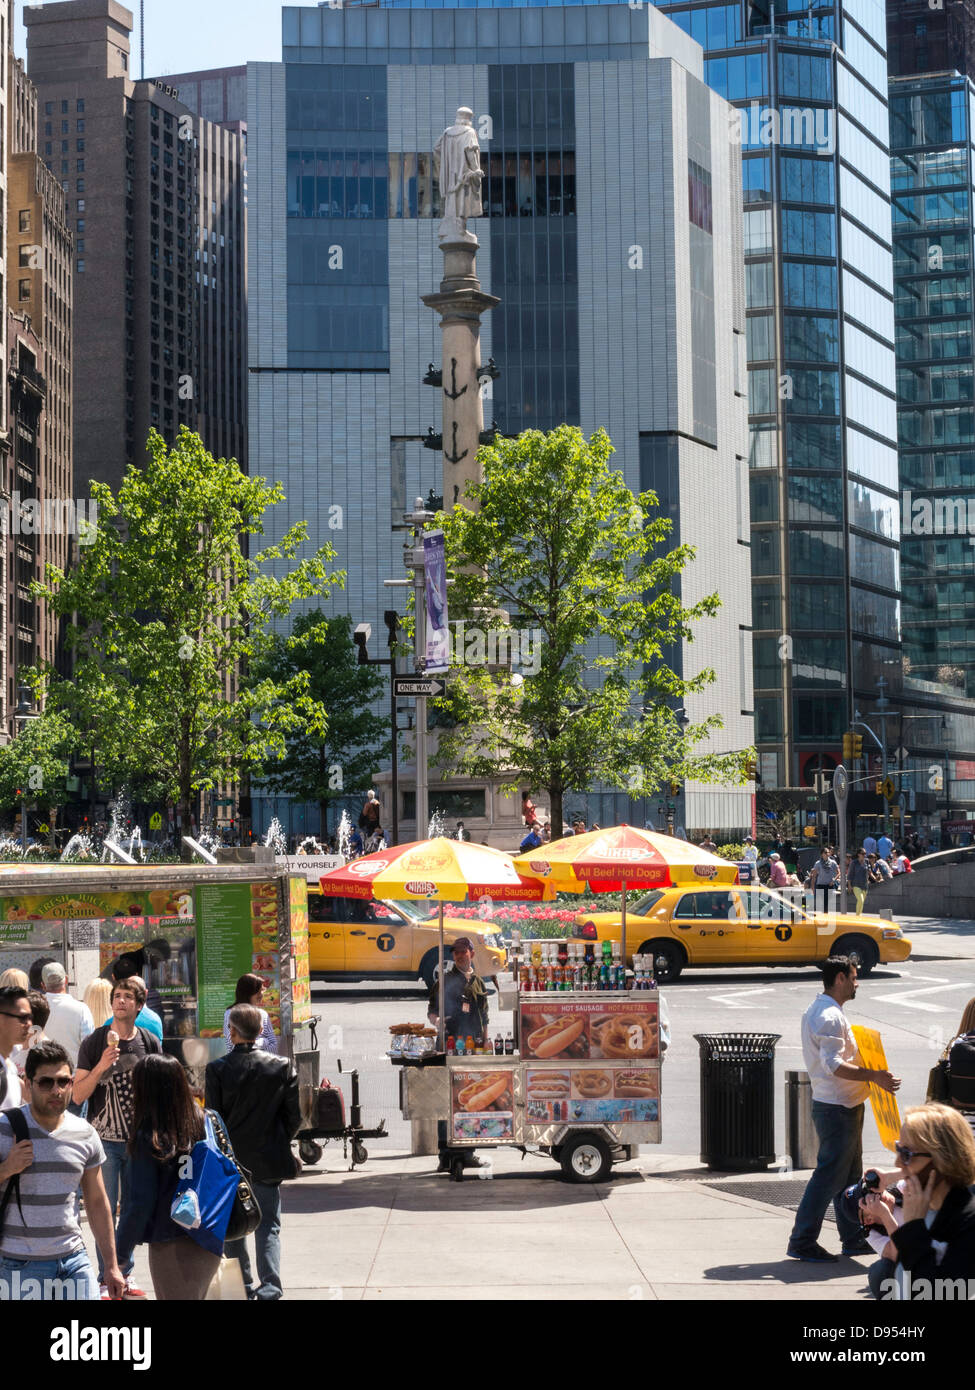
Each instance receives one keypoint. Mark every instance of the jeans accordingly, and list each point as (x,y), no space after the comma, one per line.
(24,1280)
(838,1165)
(878,1273)
(267,1239)
(114,1171)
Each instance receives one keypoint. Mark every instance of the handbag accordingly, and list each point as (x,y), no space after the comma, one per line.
(245,1213)
(938,1086)
(227,1285)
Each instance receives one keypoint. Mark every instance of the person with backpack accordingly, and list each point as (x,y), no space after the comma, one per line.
(45,1152)
(166,1124)
(106,1061)
(953,1079)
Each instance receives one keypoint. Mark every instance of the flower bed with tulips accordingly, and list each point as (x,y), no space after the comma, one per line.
(539,920)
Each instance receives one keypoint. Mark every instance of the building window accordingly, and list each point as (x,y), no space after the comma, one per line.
(81,225)
(24,289)
(25,219)
(64,108)
(25,255)
(79,146)
(80,105)
(699,195)
(81,204)
(48,148)
(49,108)
(80,246)
(80,127)
(81,185)
(81,166)
(47,128)
(65,127)
(81,266)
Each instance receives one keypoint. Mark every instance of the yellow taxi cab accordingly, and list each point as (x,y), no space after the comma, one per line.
(353,940)
(741,926)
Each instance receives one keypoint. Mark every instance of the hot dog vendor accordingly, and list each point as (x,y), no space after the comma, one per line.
(465,996)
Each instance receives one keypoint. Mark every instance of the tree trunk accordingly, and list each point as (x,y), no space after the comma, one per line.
(183,812)
(555,811)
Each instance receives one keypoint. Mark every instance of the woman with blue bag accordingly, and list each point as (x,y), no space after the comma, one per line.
(176,1168)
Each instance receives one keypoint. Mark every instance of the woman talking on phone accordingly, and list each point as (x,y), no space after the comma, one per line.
(932,1232)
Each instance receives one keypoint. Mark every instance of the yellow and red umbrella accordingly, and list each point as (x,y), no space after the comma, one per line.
(620,857)
(440,870)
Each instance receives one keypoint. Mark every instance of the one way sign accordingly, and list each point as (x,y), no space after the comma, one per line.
(427,687)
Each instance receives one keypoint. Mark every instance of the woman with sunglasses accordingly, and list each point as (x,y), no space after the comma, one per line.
(167,1123)
(932,1232)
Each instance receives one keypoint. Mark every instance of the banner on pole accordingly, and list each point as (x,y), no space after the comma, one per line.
(435,576)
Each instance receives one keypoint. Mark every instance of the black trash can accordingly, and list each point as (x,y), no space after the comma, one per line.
(737,1100)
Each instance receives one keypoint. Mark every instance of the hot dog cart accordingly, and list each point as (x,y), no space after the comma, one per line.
(583,1086)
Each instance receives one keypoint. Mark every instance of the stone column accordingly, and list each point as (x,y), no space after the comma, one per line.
(460,303)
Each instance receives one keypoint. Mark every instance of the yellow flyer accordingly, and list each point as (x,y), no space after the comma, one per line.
(885,1110)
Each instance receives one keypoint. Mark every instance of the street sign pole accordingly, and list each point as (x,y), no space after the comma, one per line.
(841,789)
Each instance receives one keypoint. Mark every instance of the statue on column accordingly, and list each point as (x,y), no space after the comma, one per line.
(457,165)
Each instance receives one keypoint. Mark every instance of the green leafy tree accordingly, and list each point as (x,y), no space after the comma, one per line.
(559,547)
(170,603)
(317,766)
(34,765)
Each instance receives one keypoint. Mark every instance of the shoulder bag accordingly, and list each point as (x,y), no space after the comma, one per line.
(18,1124)
(245,1214)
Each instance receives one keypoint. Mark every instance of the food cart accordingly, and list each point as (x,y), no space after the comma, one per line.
(189,930)
(583,1085)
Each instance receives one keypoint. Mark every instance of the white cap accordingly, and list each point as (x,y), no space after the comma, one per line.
(53,974)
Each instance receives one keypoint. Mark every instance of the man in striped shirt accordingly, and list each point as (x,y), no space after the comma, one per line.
(42,1254)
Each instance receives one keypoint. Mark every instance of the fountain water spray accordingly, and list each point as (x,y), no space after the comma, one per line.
(275,837)
(343,836)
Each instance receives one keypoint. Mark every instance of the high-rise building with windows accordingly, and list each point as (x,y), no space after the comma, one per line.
(156,204)
(39,262)
(612,236)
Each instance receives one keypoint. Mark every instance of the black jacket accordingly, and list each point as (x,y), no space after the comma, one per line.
(954,1224)
(256,1094)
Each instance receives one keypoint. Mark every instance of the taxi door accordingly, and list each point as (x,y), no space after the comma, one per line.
(710,925)
(326,933)
(782,928)
(379,941)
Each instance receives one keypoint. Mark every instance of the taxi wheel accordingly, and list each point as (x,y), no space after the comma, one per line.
(861,950)
(428,966)
(668,960)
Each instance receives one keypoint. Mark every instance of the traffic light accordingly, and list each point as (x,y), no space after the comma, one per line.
(847,748)
(751,770)
(878,788)
(857,745)
(674,788)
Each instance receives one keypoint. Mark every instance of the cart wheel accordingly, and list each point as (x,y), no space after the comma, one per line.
(309,1151)
(359,1152)
(457,1169)
(586,1158)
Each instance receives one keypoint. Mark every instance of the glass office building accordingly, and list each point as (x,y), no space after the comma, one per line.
(612,236)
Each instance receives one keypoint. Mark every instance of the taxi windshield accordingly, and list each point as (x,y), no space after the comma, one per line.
(645,904)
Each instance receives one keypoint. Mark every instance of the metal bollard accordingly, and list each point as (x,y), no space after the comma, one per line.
(801,1139)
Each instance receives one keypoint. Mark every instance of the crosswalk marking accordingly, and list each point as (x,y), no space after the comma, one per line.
(910,999)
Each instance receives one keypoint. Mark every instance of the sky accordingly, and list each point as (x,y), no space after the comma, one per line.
(187,35)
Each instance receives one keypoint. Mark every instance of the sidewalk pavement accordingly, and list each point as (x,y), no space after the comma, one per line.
(939,938)
(663,1228)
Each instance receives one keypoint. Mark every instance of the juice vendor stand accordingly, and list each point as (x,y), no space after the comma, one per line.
(189,930)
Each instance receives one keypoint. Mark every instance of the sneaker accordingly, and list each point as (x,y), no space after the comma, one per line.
(862,1247)
(132,1290)
(811,1254)
(103,1293)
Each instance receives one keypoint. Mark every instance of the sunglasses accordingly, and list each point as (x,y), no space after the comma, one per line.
(48,1083)
(907,1154)
(21,1018)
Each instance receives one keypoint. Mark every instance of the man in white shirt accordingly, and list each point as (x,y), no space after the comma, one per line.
(16,1021)
(839,1088)
(70,1021)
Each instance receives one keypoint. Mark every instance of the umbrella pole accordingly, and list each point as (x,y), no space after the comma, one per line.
(623,942)
(440,1022)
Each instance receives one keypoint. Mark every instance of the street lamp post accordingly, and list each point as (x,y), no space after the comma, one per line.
(362,634)
(414,560)
(23,715)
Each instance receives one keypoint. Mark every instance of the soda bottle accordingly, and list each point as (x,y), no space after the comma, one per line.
(450,1045)
(509,1044)
(459,1048)
(469,1045)
(498,1045)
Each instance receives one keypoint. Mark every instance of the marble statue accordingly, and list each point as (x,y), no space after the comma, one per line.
(457,165)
